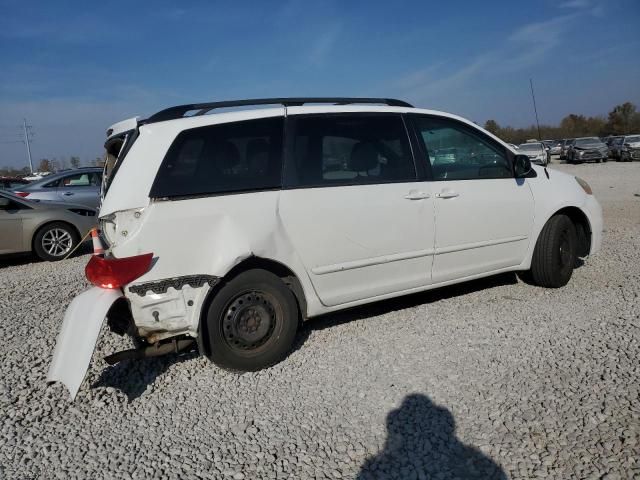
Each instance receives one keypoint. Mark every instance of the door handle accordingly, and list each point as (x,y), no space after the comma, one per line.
(448,194)
(416,195)
(67,193)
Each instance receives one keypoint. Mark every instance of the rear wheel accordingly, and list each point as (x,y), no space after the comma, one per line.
(252,322)
(55,241)
(555,253)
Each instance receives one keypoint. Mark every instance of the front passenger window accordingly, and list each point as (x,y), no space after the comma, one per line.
(456,152)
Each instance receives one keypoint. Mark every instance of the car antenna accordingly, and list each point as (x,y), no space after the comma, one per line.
(535,109)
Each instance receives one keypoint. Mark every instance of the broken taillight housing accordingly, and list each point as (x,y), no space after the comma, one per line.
(116,272)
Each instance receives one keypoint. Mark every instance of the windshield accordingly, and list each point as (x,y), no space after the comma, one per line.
(530,146)
(587,141)
(632,139)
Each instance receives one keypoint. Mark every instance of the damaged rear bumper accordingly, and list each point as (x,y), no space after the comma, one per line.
(163,314)
(78,336)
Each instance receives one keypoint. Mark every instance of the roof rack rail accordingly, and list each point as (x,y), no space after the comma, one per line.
(178,111)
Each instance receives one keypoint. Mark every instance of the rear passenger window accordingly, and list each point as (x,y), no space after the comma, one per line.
(80,180)
(230,157)
(349,149)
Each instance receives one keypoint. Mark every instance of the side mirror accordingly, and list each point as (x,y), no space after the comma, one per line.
(4,203)
(522,166)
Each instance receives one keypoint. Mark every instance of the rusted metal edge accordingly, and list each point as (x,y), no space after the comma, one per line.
(161,286)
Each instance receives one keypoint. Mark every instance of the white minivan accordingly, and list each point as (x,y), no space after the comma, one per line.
(227,225)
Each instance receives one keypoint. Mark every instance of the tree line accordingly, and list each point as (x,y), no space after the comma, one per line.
(623,119)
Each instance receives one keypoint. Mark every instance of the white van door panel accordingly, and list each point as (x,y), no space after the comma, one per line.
(362,241)
(482,226)
(355,205)
(484,216)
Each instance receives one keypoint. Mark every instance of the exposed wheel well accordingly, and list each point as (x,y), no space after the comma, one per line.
(288,277)
(39,229)
(583,228)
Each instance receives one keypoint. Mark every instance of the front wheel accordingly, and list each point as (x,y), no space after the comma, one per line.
(252,322)
(55,241)
(555,253)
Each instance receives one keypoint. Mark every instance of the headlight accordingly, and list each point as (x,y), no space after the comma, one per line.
(585,186)
(581,153)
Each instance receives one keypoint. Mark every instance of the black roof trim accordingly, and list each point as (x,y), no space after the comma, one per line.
(178,111)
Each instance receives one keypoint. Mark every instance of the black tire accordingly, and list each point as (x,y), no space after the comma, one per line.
(555,254)
(251,322)
(54,241)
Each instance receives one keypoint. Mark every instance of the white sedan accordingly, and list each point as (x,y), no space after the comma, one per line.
(536,152)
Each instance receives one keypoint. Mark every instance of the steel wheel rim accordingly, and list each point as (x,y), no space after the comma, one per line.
(57,242)
(250,319)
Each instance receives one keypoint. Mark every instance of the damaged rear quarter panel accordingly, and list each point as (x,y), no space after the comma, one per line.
(200,236)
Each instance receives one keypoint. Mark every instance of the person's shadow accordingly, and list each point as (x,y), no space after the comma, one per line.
(421,444)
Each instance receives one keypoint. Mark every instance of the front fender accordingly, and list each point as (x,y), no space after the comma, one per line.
(78,336)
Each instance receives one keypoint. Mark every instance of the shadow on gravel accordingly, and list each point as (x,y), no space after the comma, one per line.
(132,377)
(400,303)
(421,443)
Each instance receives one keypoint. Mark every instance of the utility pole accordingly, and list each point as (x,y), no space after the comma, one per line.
(535,109)
(26,141)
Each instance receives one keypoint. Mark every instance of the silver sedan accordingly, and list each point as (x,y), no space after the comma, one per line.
(80,186)
(50,230)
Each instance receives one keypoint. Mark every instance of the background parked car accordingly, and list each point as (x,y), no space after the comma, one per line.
(51,230)
(80,186)
(7,183)
(536,152)
(614,144)
(587,149)
(555,147)
(566,143)
(630,149)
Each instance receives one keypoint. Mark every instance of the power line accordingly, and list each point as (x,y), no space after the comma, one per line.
(535,108)
(26,141)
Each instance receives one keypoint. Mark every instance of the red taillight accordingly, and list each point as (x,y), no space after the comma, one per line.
(22,194)
(116,272)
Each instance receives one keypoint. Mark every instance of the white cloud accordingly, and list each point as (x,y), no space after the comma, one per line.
(527,46)
(575,4)
(324,44)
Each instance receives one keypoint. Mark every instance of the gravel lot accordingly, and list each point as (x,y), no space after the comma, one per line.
(491,379)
